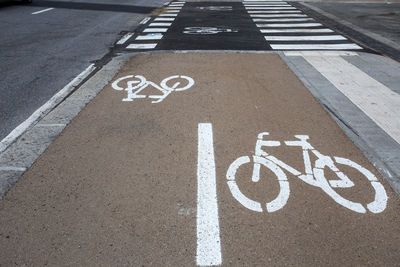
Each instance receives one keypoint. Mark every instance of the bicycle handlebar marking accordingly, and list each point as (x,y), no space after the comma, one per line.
(314,176)
(134,84)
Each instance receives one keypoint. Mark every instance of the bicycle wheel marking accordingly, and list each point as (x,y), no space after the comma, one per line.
(135,84)
(314,174)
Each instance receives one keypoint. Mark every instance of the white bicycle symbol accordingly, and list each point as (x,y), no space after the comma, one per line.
(135,84)
(207,30)
(313,176)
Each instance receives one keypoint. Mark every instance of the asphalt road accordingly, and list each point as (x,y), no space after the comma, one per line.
(380,18)
(42,53)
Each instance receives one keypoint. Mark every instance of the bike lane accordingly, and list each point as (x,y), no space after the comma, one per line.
(141,183)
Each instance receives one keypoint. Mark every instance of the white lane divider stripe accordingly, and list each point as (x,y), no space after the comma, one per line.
(295,30)
(142,46)
(294,25)
(155,30)
(124,38)
(282,20)
(158,24)
(266,1)
(208,234)
(41,11)
(164,19)
(157,27)
(268,8)
(376,100)
(274,12)
(168,15)
(265,5)
(277,15)
(150,37)
(315,46)
(145,20)
(305,38)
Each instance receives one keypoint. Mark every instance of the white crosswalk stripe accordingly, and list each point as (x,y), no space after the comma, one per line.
(277,16)
(154,30)
(281,20)
(287,28)
(305,38)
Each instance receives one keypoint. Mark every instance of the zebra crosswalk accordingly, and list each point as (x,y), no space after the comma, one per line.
(287,28)
(248,25)
(156,27)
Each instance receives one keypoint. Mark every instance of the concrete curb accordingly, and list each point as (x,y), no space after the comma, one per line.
(33,142)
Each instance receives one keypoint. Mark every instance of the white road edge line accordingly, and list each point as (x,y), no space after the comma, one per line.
(208,234)
(43,110)
(41,11)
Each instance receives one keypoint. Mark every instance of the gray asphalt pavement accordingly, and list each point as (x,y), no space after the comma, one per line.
(42,53)
(380,18)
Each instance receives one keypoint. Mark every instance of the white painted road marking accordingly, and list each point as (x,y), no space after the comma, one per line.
(287,25)
(295,30)
(313,175)
(145,20)
(41,11)
(155,24)
(281,20)
(135,84)
(305,38)
(168,15)
(152,36)
(277,15)
(125,38)
(314,46)
(247,5)
(268,8)
(208,234)
(164,19)
(376,100)
(274,12)
(141,46)
(155,30)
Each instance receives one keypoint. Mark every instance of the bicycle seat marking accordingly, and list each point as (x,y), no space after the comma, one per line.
(134,84)
(313,175)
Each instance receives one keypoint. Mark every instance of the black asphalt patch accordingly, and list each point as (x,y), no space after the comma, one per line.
(213,26)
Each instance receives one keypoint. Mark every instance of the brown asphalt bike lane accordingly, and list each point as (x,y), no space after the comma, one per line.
(119,187)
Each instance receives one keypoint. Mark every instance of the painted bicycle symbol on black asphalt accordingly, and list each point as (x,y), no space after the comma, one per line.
(207,30)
